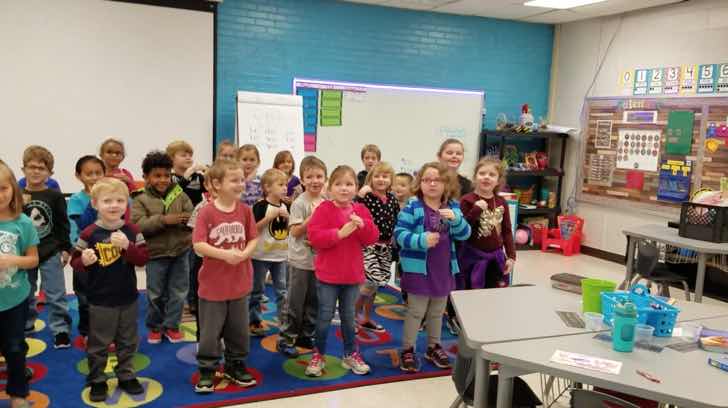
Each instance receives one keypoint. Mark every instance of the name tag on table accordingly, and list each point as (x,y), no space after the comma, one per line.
(587,362)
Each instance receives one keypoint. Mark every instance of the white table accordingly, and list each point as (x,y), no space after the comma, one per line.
(686,378)
(491,316)
(667,235)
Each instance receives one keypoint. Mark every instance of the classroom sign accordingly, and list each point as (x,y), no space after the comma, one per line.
(702,79)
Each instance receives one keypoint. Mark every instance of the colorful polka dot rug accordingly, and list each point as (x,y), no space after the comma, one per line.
(168,371)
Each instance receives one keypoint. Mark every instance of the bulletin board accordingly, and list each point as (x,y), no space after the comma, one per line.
(652,153)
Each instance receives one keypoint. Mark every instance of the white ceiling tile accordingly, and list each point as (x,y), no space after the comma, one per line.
(506,9)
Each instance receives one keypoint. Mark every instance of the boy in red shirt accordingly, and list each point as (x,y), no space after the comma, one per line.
(225,237)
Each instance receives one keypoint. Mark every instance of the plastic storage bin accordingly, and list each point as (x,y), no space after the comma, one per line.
(704,222)
(651,310)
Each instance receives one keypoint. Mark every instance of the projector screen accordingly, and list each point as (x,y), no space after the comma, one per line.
(76,72)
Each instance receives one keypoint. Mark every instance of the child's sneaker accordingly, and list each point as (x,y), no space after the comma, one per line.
(205,383)
(238,373)
(154,336)
(98,392)
(355,363)
(61,341)
(257,329)
(452,326)
(174,335)
(437,356)
(408,361)
(315,367)
(131,386)
(288,350)
(373,327)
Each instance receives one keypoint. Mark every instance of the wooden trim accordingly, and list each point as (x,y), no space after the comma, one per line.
(607,256)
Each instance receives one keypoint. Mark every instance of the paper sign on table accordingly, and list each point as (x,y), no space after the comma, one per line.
(587,362)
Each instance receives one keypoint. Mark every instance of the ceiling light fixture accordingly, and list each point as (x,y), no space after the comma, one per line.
(560,4)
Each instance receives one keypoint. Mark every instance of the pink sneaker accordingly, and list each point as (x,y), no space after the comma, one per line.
(174,335)
(315,367)
(154,337)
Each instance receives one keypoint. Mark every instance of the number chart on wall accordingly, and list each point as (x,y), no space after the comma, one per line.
(652,152)
(686,80)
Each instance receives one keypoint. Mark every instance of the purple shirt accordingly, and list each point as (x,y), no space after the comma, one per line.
(439,281)
(292,183)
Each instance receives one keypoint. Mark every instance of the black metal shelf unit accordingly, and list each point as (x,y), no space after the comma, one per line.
(490,138)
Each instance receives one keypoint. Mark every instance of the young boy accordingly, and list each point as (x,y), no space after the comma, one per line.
(370,155)
(108,251)
(271,219)
(299,325)
(191,178)
(402,188)
(225,236)
(47,210)
(161,210)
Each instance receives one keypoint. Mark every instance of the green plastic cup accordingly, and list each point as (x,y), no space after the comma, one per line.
(591,293)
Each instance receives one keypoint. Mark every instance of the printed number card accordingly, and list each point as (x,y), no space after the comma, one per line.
(641,81)
(626,82)
(671,78)
(722,78)
(706,80)
(688,79)
(655,82)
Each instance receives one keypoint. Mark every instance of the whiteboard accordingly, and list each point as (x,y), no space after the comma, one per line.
(407,123)
(272,122)
(76,72)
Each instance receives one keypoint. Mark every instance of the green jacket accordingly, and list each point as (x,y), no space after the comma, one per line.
(147,210)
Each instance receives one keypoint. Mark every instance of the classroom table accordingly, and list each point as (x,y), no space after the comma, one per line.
(669,236)
(686,379)
(490,316)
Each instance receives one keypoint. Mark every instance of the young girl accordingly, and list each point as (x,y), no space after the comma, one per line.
(226,150)
(338,231)
(249,158)
(112,152)
(451,154)
(18,252)
(89,170)
(482,259)
(426,230)
(383,206)
(284,162)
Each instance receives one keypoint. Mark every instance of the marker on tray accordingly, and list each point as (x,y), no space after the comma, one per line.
(648,376)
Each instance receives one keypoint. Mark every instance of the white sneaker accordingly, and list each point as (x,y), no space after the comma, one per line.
(315,367)
(355,363)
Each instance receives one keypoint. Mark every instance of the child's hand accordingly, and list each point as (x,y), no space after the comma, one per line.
(235,256)
(432,239)
(509,267)
(65,257)
(283,212)
(88,257)
(482,204)
(5,262)
(119,240)
(447,214)
(356,220)
(175,218)
(346,230)
(364,190)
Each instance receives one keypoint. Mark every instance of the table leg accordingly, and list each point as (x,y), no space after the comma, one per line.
(631,245)
(700,278)
(482,382)
(505,387)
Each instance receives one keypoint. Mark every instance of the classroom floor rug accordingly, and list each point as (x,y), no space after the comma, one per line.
(168,371)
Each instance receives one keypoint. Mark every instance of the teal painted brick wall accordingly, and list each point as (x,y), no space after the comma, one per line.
(264,44)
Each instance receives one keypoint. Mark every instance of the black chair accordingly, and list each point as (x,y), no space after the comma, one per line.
(581,398)
(648,267)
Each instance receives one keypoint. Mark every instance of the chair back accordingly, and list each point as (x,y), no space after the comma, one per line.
(647,257)
(581,398)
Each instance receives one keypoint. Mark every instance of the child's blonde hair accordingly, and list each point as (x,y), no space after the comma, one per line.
(381,167)
(179,146)
(218,170)
(109,185)
(497,164)
(109,141)
(249,148)
(448,142)
(371,148)
(223,145)
(311,162)
(16,202)
(341,171)
(445,175)
(281,157)
(38,153)
(271,176)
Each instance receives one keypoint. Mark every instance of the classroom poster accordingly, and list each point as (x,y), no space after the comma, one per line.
(601,169)
(310,117)
(604,135)
(671,76)
(331,104)
(688,79)
(707,76)
(638,149)
(641,81)
(679,138)
(722,85)
(655,83)
(626,82)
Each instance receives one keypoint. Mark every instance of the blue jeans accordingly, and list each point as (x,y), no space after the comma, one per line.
(53,283)
(13,348)
(328,294)
(168,280)
(278,273)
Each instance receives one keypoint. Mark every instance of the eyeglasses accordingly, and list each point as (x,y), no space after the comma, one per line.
(432,180)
